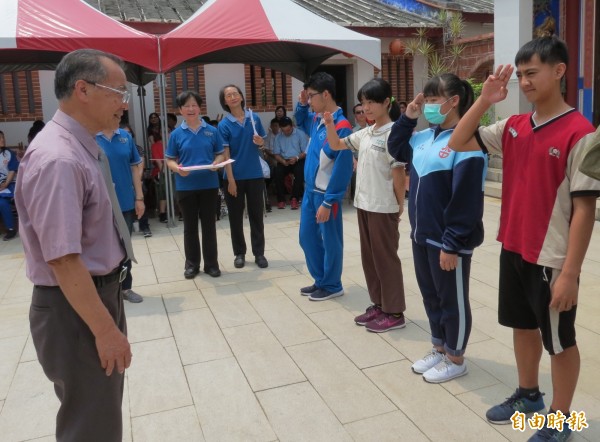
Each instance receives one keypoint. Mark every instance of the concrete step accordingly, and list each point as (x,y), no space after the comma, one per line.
(494,190)
(495,162)
(494,174)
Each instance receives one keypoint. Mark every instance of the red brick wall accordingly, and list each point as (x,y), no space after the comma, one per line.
(10,114)
(398,71)
(268,89)
(176,86)
(477,58)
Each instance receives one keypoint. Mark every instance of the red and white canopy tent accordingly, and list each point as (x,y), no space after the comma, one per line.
(276,33)
(36,34)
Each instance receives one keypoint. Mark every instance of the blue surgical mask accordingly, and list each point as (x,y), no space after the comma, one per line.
(431,112)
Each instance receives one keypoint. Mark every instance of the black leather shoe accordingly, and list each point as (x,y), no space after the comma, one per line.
(239,261)
(190,273)
(214,272)
(261,261)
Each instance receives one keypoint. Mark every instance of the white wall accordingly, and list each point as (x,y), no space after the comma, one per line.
(514,28)
(473,29)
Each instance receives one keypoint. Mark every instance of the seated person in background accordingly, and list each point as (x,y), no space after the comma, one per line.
(270,142)
(280,112)
(8,172)
(289,152)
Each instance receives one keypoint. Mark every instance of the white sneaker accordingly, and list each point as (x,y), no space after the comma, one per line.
(428,361)
(444,371)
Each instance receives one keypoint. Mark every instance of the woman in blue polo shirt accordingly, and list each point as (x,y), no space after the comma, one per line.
(243,135)
(195,143)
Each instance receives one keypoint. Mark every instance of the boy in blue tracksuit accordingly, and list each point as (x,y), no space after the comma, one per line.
(326,174)
(445,210)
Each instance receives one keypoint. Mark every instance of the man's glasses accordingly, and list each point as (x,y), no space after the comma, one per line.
(359,112)
(233,95)
(125,95)
(310,96)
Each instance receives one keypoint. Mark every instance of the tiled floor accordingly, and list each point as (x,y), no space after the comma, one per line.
(244,357)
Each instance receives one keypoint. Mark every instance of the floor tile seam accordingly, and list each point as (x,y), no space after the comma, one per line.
(367,378)
(166,411)
(275,387)
(495,427)
(415,423)
(17,365)
(390,412)
(187,309)
(179,350)
(375,335)
(37,438)
(271,330)
(318,393)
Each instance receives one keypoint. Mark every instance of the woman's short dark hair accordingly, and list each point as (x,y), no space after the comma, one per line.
(222,97)
(448,85)
(378,90)
(183,97)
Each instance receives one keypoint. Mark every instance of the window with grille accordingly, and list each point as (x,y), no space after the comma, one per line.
(266,89)
(397,70)
(189,78)
(20,96)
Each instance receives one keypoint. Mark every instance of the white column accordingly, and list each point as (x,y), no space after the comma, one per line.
(513,27)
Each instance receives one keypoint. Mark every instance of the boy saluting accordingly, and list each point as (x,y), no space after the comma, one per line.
(546,222)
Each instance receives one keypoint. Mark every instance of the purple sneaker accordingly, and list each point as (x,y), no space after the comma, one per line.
(372,312)
(385,322)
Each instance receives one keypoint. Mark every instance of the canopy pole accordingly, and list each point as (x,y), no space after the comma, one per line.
(160,78)
(147,153)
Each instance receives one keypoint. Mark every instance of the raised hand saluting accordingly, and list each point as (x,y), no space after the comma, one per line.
(415,107)
(494,89)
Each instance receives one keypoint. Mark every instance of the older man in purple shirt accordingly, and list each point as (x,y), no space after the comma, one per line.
(74,251)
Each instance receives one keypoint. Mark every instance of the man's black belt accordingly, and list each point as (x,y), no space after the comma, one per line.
(117,274)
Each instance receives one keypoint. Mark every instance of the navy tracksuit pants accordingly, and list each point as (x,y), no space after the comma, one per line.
(445,297)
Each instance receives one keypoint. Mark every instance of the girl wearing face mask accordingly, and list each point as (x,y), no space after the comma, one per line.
(445,210)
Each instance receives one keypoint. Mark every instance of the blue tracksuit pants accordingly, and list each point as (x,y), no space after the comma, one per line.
(322,243)
(445,297)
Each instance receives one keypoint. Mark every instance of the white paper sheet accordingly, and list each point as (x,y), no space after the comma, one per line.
(207,166)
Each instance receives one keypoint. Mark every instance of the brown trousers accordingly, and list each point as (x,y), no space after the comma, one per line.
(90,401)
(379,237)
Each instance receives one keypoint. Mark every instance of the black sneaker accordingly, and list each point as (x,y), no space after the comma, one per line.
(309,290)
(10,234)
(501,413)
(147,233)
